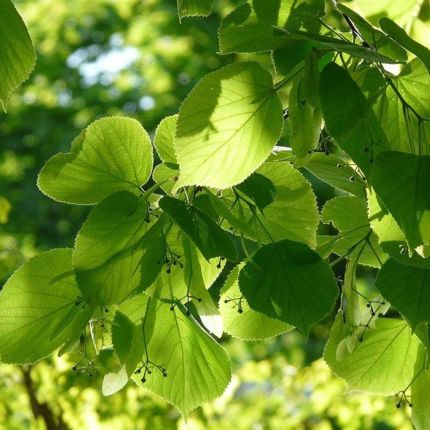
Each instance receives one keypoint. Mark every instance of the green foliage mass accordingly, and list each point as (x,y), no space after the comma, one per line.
(226,221)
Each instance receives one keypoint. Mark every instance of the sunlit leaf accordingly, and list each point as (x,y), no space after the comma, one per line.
(111,154)
(110,246)
(17,55)
(38,310)
(227,126)
(382,363)
(194,7)
(197,368)
(164,139)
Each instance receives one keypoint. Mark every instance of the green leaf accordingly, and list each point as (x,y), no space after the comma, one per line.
(38,311)
(297,287)
(127,342)
(17,54)
(401,11)
(198,369)
(250,27)
(374,37)
(211,239)
(330,43)
(355,239)
(381,221)
(420,399)
(405,194)
(113,382)
(336,172)
(400,107)
(407,289)
(349,117)
(110,246)
(239,319)
(304,111)
(399,252)
(164,139)
(111,154)
(383,363)
(186,274)
(227,126)
(166,175)
(293,213)
(401,37)
(194,7)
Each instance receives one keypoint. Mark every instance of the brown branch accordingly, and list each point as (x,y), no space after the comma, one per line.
(41,409)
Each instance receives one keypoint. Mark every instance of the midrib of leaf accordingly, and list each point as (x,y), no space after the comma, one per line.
(38,319)
(240,129)
(379,357)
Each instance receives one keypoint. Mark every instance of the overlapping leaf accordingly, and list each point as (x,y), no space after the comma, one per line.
(355,238)
(349,118)
(111,154)
(239,319)
(110,246)
(17,55)
(290,282)
(227,126)
(38,311)
(405,194)
(382,363)
(292,213)
(407,289)
(250,27)
(197,368)
(337,173)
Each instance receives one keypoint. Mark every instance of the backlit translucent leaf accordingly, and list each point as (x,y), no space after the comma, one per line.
(290,282)
(166,174)
(355,238)
(110,246)
(292,214)
(382,363)
(17,55)
(164,138)
(381,221)
(336,172)
(240,320)
(198,369)
(401,37)
(407,289)
(420,399)
(405,194)
(185,274)
(250,27)
(194,7)
(398,106)
(113,382)
(38,311)
(227,126)
(401,11)
(111,154)
(373,36)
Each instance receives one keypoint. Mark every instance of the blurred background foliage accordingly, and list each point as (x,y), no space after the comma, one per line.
(134,57)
